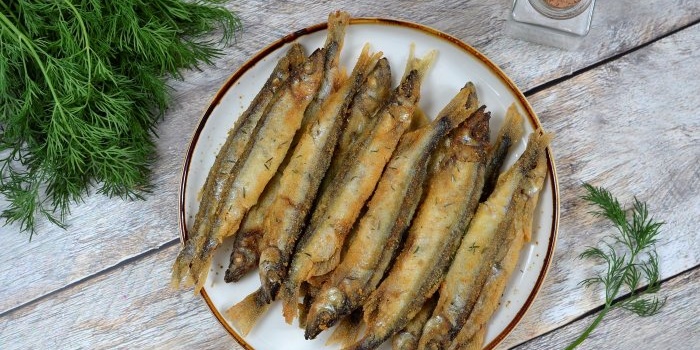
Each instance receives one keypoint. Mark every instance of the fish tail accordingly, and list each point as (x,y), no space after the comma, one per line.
(459,108)
(202,276)
(513,126)
(179,269)
(291,291)
(365,63)
(337,24)
(247,312)
(199,266)
(536,144)
(419,65)
(534,190)
(511,131)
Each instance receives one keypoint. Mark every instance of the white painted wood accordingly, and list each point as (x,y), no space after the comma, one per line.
(676,326)
(129,307)
(631,125)
(102,232)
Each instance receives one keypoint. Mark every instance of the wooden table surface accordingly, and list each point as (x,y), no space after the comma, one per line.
(625,109)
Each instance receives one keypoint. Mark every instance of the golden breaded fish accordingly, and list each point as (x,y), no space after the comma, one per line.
(452,194)
(237,142)
(471,336)
(245,251)
(300,180)
(381,228)
(477,251)
(360,119)
(270,145)
(246,313)
(319,249)
(302,177)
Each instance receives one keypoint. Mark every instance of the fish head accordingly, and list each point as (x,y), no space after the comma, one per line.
(436,334)
(271,273)
(327,308)
(308,77)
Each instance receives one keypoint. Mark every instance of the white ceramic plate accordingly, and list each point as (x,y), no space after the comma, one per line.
(456,64)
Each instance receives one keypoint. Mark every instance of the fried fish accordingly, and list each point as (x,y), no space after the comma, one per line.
(388,214)
(472,263)
(302,177)
(471,336)
(245,250)
(318,251)
(452,194)
(257,166)
(237,142)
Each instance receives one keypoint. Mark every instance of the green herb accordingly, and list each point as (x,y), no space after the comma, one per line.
(630,258)
(82,87)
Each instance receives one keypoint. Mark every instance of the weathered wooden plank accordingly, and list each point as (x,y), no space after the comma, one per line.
(628,125)
(104,232)
(633,127)
(130,307)
(624,330)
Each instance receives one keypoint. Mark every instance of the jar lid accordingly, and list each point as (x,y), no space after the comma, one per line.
(560,9)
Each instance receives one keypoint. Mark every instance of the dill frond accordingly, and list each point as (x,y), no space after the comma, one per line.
(82,88)
(625,266)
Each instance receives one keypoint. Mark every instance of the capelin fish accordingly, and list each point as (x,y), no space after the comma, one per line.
(360,121)
(337,25)
(345,155)
(451,196)
(407,338)
(270,145)
(245,253)
(380,230)
(471,336)
(237,142)
(318,251)
(511,131)
(302,177)
(477,251)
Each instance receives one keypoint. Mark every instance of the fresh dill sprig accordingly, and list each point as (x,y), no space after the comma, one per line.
(82,87)
(630,258)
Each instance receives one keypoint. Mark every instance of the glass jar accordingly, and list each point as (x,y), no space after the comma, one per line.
(560,9)
(558,23)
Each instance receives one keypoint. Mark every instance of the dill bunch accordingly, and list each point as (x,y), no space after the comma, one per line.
(629,257)
(82,87)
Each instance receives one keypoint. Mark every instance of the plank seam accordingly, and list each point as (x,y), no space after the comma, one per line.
(597,309)
(554,82)
(109,269)
(527,93)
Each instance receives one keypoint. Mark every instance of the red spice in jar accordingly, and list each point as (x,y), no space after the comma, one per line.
(562,4)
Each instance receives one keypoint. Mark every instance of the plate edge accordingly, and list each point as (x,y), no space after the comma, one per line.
(233,78)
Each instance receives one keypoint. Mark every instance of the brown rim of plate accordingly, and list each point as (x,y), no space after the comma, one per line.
(401,23)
